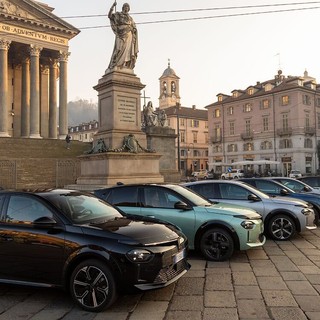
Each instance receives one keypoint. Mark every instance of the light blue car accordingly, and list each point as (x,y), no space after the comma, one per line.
(215,229)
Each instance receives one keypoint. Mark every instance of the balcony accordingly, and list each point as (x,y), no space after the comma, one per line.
(309,131)
(284,132)
(248,135)
(216,139)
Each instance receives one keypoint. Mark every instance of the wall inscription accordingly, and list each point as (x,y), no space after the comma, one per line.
(127,109)
(31,34)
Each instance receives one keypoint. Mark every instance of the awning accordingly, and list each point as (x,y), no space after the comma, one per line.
(258,162)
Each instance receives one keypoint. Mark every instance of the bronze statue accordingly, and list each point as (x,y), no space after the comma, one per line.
(125,49)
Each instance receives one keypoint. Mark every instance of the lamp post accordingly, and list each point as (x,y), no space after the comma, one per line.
(191,144)
(178,133)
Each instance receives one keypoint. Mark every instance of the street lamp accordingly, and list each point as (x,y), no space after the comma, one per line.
(178,133)
(192,154)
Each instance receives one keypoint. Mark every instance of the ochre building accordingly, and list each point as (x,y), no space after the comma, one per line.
(34,51)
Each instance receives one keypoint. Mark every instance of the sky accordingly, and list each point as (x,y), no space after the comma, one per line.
(212,51)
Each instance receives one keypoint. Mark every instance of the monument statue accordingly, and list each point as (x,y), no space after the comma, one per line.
(153,118)
(125,49)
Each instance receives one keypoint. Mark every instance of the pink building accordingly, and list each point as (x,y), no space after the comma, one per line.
(277,120)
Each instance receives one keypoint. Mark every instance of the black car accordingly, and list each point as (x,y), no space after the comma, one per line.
(71,239)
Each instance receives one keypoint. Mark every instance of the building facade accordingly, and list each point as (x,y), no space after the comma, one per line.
(277,121)
(84,132)
(33,70)
(190,125)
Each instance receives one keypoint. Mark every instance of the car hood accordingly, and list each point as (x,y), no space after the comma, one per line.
(287,200)
(134,232)
(232,209)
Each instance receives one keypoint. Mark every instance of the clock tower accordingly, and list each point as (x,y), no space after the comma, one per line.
(169,88)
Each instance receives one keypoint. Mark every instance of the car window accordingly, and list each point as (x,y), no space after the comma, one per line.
(23,209)
(231,191)
(126,196)
(293,185)
(205,189)
(268,187)
(159,198)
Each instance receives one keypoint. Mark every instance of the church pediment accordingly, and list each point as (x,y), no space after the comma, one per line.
(34,13)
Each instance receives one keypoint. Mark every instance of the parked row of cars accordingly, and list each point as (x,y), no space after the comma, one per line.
(95,245)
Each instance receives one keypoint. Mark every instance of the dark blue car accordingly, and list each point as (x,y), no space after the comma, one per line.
(274,188)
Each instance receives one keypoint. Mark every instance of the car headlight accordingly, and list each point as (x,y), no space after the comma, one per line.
(247,224)
(306,211)
(139,255)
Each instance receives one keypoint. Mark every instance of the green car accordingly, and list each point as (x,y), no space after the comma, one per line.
(216,229)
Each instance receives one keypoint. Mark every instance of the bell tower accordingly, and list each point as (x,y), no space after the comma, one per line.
(169,88)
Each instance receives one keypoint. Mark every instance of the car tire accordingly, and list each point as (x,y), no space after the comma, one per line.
(281,227)
(92,286)
(223,178)
(236,178)
(216,244)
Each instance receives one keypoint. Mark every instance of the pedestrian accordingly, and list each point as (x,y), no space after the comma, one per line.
(68,140)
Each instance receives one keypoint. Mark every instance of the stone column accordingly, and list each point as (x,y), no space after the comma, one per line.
(25,98)
(53,99)
(63,86)
(35,91)
(44,99)
(4,47)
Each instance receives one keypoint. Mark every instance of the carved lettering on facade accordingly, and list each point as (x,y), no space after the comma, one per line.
(32,34)
(127,110)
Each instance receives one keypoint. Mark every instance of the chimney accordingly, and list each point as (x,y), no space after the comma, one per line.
(193,107)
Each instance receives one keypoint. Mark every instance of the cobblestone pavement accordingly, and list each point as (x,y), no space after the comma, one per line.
(280,281)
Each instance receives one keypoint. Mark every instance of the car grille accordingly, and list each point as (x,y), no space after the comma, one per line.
(168,273)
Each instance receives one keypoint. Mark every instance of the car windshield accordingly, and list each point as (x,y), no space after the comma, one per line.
(83,208)
(190,195)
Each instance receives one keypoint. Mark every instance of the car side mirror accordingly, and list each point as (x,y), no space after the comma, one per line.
(45,222)
(253,197)
(284,192)
(181,205)
(307,189)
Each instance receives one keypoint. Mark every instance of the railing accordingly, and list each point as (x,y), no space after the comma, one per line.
(284,131)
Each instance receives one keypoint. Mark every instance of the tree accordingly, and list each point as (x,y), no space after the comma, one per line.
(82,111)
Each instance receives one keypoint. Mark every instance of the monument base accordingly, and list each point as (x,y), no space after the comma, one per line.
(107,169)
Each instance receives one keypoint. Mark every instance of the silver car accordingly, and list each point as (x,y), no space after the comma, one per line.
(283,217)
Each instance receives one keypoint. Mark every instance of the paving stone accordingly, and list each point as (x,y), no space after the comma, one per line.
(301,288)
(273,251)
(190,286)
(219,265)
(221,282)
(302,261)
(182,315)
(194,273)
(238,266)
(247,292)
(308,303)
(261,264)
(271,283)
(219,299)
(309,269)
(276,298)
(146,310)
(187,303)
(252,309)
(295,275)
(313,278)
(220,313)
(313,315)
(257,254)
(287,314)
(197,264)
(106,315)
(270,271)
(283,263)
(218,271)
(244,278)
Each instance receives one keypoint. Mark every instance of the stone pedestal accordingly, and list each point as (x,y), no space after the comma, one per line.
(119,108)
(119,116)
(162,139)
(106,169)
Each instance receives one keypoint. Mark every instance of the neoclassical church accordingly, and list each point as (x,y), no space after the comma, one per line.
(33,70)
